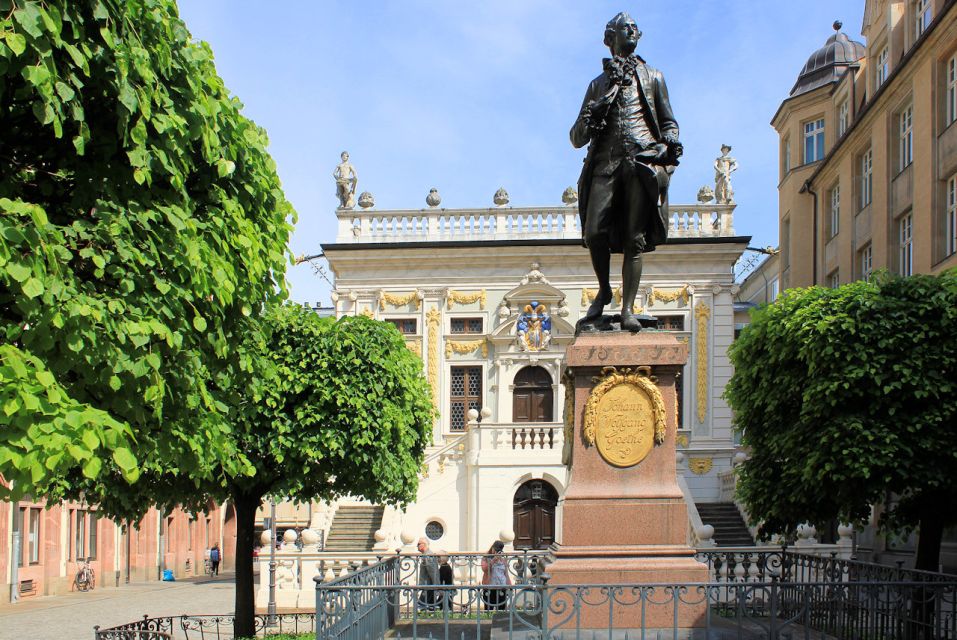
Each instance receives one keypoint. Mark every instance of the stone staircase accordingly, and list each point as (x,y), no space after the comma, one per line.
(353,528)
(730,529)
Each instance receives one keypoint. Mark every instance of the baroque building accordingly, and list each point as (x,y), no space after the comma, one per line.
(868,150)
(489,298)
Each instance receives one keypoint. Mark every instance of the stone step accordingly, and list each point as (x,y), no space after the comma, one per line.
(730,530)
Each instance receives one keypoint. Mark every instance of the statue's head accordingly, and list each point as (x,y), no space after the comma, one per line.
(621,35)
(726,149)
(345,156)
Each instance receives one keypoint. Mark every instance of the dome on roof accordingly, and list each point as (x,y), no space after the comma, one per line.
(828,63)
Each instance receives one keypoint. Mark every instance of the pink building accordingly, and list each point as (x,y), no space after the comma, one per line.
(54,541)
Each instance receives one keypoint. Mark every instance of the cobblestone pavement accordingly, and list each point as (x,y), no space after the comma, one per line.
(72,616)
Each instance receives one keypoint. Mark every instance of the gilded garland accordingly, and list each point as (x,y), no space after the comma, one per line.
(668,295)
(624,417)
(461,297)
(399,300)
(702,312)
(466,346)
(432,319)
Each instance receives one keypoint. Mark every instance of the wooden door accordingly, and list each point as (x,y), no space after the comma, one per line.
(534,515)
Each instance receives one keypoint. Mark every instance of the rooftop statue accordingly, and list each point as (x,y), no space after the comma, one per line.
(632,136)
(346,181)
(724,166)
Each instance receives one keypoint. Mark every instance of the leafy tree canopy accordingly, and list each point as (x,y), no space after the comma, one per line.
(141,224)
(344,410)
(844,396)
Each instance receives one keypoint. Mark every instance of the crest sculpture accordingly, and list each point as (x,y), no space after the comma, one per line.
(534,327)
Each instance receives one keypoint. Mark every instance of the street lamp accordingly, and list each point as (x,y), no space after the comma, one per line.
(271,607)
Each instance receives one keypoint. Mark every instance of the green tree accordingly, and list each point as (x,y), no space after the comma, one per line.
(142,224)
(344,410)
(845,396)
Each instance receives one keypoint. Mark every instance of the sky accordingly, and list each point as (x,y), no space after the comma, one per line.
(468,97)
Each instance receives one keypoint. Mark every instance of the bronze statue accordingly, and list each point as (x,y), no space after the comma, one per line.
(627,121)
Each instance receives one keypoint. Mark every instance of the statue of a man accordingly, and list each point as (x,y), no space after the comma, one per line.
(627,121)
(346,181)
(724,166)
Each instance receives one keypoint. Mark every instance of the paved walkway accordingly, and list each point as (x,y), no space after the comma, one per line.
(72,616)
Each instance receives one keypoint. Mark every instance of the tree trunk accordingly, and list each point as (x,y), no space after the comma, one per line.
(929,538)
(244,625)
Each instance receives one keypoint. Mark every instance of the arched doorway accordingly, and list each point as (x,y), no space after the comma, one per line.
(533,517)
(532,396)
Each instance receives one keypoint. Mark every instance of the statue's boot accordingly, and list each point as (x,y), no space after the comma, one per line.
(601,261)
(630,277)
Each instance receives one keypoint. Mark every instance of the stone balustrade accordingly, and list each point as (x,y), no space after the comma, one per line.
(509,223)
(502,437)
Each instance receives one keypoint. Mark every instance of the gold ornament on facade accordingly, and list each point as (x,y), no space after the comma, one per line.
(668,295)
(441,466)
(466,346)
(367,312)
(432,319)
(589,295)
(415,346)
(702,312)
(424,472)
(462,297)
(682,440)
(625,416)
(700,466)
(399,300)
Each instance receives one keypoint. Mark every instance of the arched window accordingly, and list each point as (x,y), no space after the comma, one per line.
(532,396)
(533,515)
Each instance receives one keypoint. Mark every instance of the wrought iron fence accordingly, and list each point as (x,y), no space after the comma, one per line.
(776,610)
(204,627)
(753,594)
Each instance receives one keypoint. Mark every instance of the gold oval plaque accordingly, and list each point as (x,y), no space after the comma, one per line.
(625,418)
(624,432)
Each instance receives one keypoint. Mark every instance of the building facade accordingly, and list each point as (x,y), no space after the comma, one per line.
(489,298)
(55,540)
(868,150)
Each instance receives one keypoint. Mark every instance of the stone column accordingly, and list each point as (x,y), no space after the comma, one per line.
(624,519)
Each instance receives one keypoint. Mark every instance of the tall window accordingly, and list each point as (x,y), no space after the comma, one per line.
(94,526)
(79,542)
(774,289)
(834,219)
(905,236)
(843,118)
(786,157)
(921,17)
(834,279)
(813,141)
(883,66)
(951,108)
(951,244)
(466,325)
(906,120)
(867,261)
(465,393)
(406,326)
(867,178)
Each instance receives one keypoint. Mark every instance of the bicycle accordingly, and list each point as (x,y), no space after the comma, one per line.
(85,577)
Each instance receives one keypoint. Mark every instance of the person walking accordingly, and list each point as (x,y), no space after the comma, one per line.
(446,579)
(215,556)
(428,574)
(495,577)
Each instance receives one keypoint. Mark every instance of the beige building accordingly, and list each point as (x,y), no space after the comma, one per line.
(868,150)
